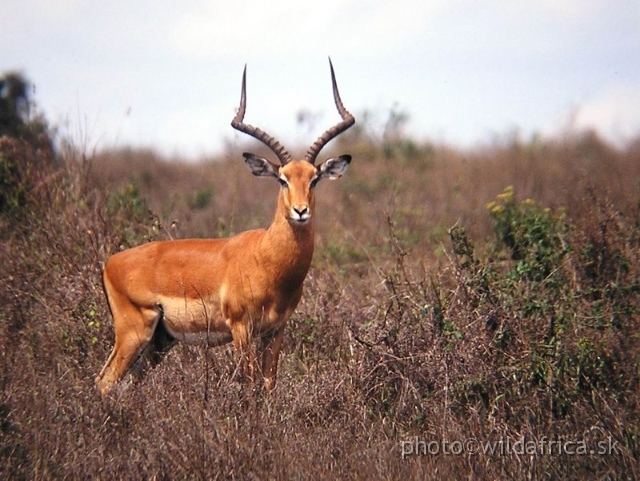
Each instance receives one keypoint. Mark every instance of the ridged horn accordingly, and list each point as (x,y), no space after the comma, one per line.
(347,121)
(238,124)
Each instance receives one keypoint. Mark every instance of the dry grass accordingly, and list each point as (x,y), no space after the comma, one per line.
(409,331)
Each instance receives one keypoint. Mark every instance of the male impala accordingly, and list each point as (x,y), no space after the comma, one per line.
(221,290)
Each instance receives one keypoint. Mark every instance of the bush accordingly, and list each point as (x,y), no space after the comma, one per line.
(521,324)
(24,167)
(534,236)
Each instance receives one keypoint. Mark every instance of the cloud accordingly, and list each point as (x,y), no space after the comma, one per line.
(615,113)
(19,17)
(460,68)
(243,29)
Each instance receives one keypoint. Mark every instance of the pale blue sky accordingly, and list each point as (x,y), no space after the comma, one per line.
(166,74)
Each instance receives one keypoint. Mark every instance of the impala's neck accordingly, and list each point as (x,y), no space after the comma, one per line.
(287,246)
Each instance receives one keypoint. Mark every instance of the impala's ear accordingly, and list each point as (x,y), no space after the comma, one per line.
(260,166)
(334,168)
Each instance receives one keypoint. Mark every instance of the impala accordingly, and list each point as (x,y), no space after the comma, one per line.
(215,291)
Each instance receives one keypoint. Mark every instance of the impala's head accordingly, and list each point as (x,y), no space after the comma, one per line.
(297,178)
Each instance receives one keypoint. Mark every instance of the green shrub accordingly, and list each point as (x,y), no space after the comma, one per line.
(13,190)
(201,198)
(26,168)
(533,235)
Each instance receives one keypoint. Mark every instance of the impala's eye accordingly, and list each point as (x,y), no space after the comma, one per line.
(283,182)
(314,181)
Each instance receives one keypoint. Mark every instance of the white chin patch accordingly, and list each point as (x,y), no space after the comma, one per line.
(299,219)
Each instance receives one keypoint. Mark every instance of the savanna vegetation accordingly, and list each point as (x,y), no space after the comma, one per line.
(459,299)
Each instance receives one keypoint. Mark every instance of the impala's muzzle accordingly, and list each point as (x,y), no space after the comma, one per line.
(300,213)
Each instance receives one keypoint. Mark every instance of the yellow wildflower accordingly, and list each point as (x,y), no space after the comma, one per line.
(507,193)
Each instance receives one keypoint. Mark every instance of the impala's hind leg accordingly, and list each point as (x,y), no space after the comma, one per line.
(154,351)
(134,327)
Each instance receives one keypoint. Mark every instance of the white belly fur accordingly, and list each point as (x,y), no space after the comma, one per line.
(195,321)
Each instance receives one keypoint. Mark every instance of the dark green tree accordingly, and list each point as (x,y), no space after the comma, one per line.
(14,103)
(26,145)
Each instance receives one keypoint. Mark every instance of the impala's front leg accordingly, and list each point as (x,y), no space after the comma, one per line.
(271,345)
(241,334)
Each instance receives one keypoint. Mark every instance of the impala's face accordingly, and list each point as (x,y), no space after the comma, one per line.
(298,179)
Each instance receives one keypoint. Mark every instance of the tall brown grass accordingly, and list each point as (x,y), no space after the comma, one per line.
(427,318)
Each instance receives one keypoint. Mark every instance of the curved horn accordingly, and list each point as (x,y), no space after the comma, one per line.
(238,124)
(347,121)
